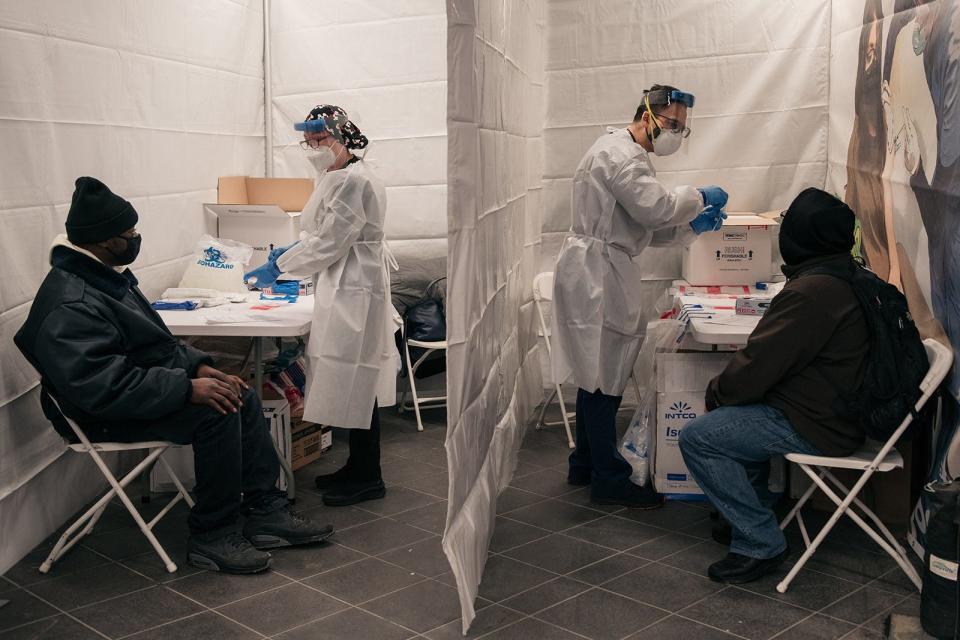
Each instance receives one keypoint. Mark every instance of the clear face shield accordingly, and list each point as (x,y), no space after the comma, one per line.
(666,133)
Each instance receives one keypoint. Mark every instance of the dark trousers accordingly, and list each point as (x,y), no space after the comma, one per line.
(364,460)
(235,461)
(597,451)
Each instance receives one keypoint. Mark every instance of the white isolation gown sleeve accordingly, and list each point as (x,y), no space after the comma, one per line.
(636,188)
(339,220)
(682,235)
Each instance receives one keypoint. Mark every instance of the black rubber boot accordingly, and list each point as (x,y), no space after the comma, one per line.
(226,552)
(578,478)
(344,495)
(738,569)
(328,481)
(283,528)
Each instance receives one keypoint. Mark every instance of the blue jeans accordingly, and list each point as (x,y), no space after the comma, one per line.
(728,452)
(597,455)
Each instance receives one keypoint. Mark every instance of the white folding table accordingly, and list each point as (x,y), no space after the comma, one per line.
(288,320)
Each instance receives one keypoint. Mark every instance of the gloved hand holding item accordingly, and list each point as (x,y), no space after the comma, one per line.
(710,219)
(279,251)
(264,275)
(713,196)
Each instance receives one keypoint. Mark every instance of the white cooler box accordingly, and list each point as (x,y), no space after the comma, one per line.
(741,253)
(181,459)
(682,379)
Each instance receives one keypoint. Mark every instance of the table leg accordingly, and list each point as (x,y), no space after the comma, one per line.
(258,381)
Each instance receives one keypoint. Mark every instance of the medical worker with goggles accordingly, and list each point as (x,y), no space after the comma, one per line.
(619,209)
(352,360)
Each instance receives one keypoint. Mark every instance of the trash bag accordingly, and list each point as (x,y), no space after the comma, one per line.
(939,599)
(217,264)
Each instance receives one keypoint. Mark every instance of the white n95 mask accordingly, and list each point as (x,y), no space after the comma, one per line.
(668,142)
(323,159)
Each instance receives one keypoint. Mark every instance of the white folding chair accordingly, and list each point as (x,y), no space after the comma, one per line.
(543,292)
(155,451)
(869,461)
(433,402)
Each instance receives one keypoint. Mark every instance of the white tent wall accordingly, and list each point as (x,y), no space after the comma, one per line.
(157,99)
(384,62)
(760,73)
(495,106)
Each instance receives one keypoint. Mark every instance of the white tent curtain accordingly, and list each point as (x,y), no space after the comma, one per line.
(495,68)
(157,100)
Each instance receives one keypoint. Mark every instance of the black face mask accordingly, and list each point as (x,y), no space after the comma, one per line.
(130,253)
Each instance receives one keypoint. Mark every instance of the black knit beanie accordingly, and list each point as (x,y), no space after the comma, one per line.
(97,214)
(816,224)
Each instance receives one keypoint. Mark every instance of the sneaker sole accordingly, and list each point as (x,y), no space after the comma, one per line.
(264,542)
(203,562)
(363,496)
(754,576)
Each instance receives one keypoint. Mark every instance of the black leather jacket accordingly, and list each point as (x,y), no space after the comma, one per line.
(100,349)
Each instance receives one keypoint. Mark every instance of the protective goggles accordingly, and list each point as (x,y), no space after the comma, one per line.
(662,97)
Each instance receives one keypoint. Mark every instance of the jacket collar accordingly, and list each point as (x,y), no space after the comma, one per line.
(834,260)
(93,272)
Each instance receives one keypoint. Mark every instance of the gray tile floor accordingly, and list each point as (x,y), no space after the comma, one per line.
(559,568)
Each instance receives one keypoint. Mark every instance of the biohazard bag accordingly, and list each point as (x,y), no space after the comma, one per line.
(217,264)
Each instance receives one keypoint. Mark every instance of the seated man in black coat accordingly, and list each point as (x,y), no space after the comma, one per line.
(113,366)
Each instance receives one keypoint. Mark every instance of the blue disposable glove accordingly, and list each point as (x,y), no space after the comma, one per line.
(710,219)
(263,276)
(713,196)
(279,251)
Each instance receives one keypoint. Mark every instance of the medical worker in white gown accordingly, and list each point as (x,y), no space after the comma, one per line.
(352,360)
(619,209)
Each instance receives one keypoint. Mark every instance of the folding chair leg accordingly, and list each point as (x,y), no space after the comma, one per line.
(796,509)
(411,371)
(543,410)
(870,514)
(566,419)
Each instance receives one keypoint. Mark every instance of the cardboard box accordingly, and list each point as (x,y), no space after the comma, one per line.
(752,306)
(310,441)
(739,254)
(260,212)
(682,379)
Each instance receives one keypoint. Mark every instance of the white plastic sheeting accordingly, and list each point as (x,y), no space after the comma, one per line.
(495,62)
(385,63)
(157,100)
(760,73)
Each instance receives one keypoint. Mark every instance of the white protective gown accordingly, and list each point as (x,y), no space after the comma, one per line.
(619,208)
(352,356)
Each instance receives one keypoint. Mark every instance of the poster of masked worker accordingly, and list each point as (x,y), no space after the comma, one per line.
(896,71)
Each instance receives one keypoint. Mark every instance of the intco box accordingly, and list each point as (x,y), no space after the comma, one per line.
(682,380)
(740,253)
(309,442)
(260,212)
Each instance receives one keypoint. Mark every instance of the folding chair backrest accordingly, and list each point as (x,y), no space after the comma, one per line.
(543,287)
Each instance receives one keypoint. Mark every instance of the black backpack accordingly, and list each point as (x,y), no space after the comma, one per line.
(897,361)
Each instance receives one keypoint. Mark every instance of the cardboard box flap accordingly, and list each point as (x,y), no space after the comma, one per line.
(290,194)
(244,211)
(747,220)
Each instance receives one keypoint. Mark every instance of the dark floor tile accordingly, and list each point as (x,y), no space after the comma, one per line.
(201,626)
(22,608)
(302,562)
(307,498)
(531,628)
(697,558)
(525,469)
(602,615)
(381,535)
(508,534)
(547,483)
(546,595)
(677,628)
(401,471)
(397,500)
(352,624)
(615,532)
(666,545)
(745,614)
(543,456)
(282,609)
(909,607)
(581,498)
(421,607)
(436,484)
(896,581)
(364,580)
(340,518)
(503,578)
(149,565)
(425,557)
(554,515)
(850,563)
(861,605)
(86,587)
(606,570)
(488,619)
(127,543)
(56,628)
(27,571)
(809,589)
(432,518)
(512,499)
(673,516)
(137,611)
(559,554)
(861,633)
(817,627)
(217,589)
(664,587)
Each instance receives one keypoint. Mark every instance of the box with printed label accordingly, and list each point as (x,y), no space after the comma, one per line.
(740,253)
(682,379)
(310,441)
